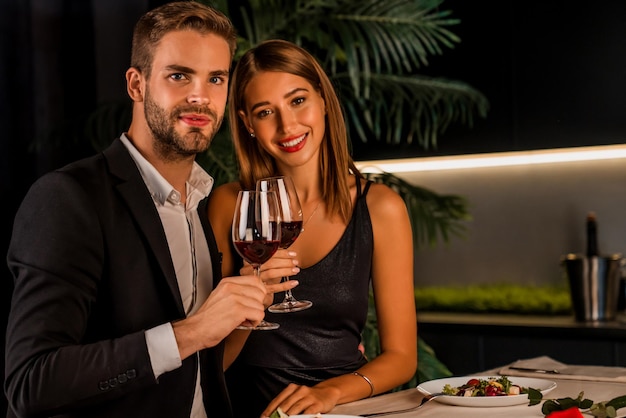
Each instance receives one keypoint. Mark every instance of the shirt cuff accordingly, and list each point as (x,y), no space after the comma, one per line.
(162,349)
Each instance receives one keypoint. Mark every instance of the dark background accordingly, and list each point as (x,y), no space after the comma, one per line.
(553,71)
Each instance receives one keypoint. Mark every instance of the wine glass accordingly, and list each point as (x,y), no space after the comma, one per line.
(256,233)
(291,226)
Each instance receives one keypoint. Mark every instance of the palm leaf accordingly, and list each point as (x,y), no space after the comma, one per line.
(433,216)
(373,51)
(392,114)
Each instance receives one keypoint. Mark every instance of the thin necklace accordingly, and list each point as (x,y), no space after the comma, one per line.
(312,213)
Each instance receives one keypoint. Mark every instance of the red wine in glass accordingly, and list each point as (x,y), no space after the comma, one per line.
(256,233)
(257,252)
(291,227)
(289,233)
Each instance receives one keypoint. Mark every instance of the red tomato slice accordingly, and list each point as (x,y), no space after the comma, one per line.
(491,391)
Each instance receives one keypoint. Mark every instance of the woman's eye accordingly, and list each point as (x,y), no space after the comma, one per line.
(298,100)
(264,113)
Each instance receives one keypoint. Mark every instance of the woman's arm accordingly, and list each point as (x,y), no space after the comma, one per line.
(392,275)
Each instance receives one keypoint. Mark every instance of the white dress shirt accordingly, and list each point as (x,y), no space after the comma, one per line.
(190,256)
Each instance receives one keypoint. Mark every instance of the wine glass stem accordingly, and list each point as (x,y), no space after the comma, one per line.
(288,296)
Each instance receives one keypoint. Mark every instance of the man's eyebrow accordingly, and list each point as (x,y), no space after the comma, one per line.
(221,73)
(179,68)
(189,70)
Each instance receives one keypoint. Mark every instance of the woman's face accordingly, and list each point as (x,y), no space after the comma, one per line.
(286,114)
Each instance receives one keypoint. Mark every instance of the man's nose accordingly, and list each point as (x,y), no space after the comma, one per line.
(199,94)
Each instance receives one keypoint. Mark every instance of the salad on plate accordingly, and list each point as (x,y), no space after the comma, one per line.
(492,386)
(485,390)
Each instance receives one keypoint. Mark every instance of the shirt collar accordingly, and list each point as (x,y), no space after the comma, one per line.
(199,183)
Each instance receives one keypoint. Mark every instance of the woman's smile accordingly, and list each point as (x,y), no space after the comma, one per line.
(293,144)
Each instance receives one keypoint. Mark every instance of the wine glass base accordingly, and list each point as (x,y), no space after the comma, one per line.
(290,306)
(263,326)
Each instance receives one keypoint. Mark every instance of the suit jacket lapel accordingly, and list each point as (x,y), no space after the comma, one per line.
(134,191)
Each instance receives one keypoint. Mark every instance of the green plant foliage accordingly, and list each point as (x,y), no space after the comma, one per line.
(495,298)
(434,217)
(603,409)
(372,51)
(391,114)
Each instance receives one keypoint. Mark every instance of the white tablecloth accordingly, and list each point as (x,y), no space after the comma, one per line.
(596,391)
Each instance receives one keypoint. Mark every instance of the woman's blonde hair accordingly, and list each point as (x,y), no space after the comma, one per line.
(254,162)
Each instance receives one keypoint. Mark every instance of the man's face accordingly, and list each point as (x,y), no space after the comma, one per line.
(186,93)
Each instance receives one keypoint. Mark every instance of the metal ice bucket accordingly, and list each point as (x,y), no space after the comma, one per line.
(594,285)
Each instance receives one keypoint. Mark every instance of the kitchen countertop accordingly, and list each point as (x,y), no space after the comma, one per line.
(492,339)
(564,325)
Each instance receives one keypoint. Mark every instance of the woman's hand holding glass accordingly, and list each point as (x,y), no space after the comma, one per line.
(291,227)
(283,263)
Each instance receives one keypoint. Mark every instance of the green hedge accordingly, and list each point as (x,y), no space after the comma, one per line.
(495,298)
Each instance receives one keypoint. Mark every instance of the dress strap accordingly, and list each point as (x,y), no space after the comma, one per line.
(358,186)
(357,180)
(367,187)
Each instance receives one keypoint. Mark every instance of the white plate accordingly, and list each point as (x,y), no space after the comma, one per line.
(435,386)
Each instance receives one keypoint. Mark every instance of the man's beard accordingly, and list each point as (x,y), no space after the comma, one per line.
(169,143)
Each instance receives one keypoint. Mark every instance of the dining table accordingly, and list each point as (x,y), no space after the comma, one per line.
(600,384)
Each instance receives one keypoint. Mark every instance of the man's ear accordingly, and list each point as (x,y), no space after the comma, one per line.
(135,84)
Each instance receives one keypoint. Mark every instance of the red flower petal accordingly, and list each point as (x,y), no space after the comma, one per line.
(572,412)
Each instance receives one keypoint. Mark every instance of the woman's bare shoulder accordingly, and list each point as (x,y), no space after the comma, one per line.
(227,188)
(223,197)
(383,199)
(225,191)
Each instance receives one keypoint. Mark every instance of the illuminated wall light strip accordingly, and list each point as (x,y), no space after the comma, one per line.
(494,159)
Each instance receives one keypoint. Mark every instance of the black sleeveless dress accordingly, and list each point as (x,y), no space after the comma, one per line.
(317,343)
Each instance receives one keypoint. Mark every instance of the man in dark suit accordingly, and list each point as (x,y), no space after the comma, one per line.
(119,308)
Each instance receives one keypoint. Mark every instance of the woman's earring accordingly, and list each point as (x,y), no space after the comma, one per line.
(252,134)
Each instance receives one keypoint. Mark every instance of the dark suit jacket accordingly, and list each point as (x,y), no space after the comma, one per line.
(92,271)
